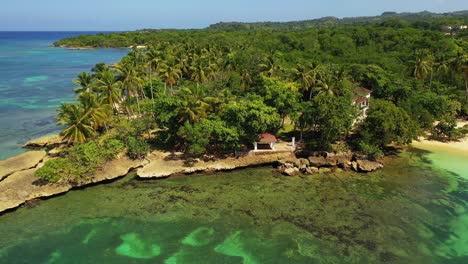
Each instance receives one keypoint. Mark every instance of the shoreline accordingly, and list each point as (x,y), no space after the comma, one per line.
(458,147)
(18,185)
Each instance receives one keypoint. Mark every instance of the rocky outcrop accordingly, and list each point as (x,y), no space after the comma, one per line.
(48,141)
(23,186)
(326,162)
(21,162)
(331,159)
(163,165)
(368,166)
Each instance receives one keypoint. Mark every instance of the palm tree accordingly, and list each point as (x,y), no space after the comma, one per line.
(422,64)
(195,105)
(109,89)
(85,82)
(131,82)
(98,69)
(78,129)
(170,74)
(306,76)
(96,110)
(269,67)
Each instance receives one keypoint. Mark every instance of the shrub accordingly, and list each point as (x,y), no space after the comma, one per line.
(80,161)
(54,170)
(111,148)
(373,152)
(137,148)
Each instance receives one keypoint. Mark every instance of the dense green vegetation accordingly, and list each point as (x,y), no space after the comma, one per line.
(214,91)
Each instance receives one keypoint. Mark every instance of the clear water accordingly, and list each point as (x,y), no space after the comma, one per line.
(34,80)
(411,212)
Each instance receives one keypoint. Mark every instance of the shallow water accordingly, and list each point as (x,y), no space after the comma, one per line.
(34,80)
(410,212)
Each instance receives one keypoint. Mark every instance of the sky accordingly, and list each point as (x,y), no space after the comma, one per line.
(115,15)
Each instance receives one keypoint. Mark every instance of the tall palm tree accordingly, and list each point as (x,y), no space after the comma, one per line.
(170,74)
(109,89)
(269,67)
(131,82)
(78,129)
(85,82)
(422,64)
(96,110)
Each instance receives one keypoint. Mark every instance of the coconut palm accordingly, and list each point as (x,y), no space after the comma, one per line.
(97,111)
(131,82)
(85,82)
(422,64)
(78,129)
(170,74)
(109,89)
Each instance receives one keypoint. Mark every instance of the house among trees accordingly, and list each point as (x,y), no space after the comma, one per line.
(361,98)
(447,29)
(266,142)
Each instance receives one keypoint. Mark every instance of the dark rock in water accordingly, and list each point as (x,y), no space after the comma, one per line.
(44,122)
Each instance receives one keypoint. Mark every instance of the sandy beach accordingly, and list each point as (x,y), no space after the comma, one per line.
(460,146)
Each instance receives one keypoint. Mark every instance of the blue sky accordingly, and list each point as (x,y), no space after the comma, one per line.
(137,14)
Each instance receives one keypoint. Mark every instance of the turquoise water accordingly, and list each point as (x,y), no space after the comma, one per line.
(412,211)
(34,80)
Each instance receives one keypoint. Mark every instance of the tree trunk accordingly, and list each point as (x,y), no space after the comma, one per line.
(430,80)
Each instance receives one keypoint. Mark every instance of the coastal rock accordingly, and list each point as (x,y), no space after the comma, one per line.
(291,171)
(318,161)
(161,165)
(354,166)
(48,141)
(23,186)
(21,162)
(311,170)
(340,159)
(368,166)
(55,152)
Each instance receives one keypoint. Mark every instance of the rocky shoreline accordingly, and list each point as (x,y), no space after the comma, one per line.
(323,162)
(18,185)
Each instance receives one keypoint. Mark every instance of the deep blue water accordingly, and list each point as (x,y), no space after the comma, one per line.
(35,79)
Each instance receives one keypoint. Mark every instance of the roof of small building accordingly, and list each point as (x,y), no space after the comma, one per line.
(361,91)
(267,138)
(360,100)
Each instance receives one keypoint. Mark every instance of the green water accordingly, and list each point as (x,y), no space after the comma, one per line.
(413,211)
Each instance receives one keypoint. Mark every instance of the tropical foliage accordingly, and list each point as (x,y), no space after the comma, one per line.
(202,91)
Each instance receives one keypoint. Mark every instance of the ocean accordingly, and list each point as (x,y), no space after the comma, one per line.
(35,79)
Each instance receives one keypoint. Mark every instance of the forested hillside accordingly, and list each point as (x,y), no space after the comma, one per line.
(214,91)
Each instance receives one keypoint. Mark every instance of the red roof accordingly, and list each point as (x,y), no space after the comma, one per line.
(267,138)
(359,100)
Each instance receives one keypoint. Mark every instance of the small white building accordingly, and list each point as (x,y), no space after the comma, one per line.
(266,142)
(361,100)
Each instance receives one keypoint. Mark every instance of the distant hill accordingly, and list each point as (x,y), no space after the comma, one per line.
(423,19)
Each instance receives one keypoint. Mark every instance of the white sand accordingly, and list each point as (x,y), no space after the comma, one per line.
(460,146)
